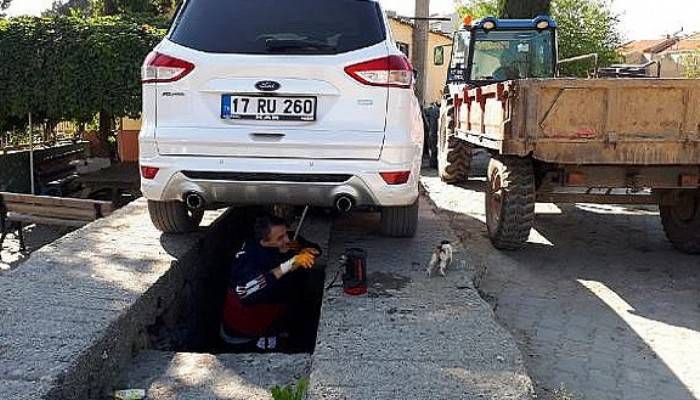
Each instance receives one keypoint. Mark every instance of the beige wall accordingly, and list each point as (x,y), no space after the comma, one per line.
(402,32)
(437,74)
(128,124)
(671,65)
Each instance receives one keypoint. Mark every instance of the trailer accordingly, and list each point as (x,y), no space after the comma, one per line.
(607,141)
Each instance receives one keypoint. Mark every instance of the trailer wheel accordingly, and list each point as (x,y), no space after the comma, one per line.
(682,222)
(400,221)
(510,201)
(173,216)
(454,157)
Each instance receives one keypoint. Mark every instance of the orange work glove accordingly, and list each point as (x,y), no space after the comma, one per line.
(306,259)
(310,250)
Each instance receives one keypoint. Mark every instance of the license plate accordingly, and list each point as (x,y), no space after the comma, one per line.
(268,108)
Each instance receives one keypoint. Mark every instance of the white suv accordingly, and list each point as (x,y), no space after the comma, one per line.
(280,101)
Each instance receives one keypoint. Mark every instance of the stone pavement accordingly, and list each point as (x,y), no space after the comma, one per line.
(411,337)
(599,300)
(71,315)
(183,376)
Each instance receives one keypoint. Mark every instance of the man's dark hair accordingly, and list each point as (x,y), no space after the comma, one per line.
(263,226)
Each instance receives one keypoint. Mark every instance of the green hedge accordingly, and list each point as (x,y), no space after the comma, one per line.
(70,68)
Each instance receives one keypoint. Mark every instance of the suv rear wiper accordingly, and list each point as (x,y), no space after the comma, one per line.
(290,44)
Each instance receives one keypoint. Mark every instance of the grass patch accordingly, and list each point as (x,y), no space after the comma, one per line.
(291,392)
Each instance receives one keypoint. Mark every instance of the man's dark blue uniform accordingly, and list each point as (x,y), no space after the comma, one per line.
(252,277)
(263,299)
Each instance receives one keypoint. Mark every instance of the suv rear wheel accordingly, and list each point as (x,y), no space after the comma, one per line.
(400,221)
(174,217)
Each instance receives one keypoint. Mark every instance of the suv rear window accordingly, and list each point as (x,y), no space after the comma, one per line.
(278,26)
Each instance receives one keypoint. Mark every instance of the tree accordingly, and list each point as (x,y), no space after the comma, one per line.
(88,66)
(4,5)
(515,9)
(78,8)
(691,65)
(478,8)
(95,8)
(585,26)
(504,8)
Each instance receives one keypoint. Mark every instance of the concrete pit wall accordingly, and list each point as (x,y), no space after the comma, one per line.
(73,315)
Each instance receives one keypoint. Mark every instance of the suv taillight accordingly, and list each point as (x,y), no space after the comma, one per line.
(149,172)
(161,68)
(392,71)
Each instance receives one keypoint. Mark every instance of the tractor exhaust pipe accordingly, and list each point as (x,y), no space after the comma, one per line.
(344,203)
(194,201)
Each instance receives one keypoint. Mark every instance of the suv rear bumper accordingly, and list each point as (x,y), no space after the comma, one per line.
(226,181)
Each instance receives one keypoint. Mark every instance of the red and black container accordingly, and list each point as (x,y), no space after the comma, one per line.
(355,276)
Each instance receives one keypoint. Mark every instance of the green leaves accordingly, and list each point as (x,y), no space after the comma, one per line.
(96,8)
(479,9)
(515,9)
(504,8)
(586,26)
(289,392)
(70,68)
(691,65)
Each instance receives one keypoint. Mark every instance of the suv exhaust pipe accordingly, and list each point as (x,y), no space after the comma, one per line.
(344,203)
(194,201)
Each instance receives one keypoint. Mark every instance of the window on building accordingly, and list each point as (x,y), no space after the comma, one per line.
(439,55)
(405,48)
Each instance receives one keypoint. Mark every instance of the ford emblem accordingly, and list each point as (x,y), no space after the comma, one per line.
(267,86)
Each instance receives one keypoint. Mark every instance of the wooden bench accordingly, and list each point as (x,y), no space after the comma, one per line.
(17,210)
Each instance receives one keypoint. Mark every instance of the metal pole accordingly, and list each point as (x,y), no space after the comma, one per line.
(301,223)
(420,45)
(31,154)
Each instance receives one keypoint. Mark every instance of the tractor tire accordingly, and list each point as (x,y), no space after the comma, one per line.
(454,156)
(174,217)
(682,222)
(400,221)
(510,201)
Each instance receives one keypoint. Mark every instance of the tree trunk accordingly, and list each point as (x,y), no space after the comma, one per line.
(166,7)
(523,9)
(102,147)
(420,45)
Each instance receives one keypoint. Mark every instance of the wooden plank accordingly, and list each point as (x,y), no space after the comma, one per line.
(52,212)
(55,201)
(33,219)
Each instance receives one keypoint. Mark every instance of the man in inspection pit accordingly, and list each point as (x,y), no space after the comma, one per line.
(267,306)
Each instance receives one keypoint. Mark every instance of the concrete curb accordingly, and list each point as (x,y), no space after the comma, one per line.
(74,313)
(412,337)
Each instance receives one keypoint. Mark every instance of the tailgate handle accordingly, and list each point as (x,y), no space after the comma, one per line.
(267,136)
